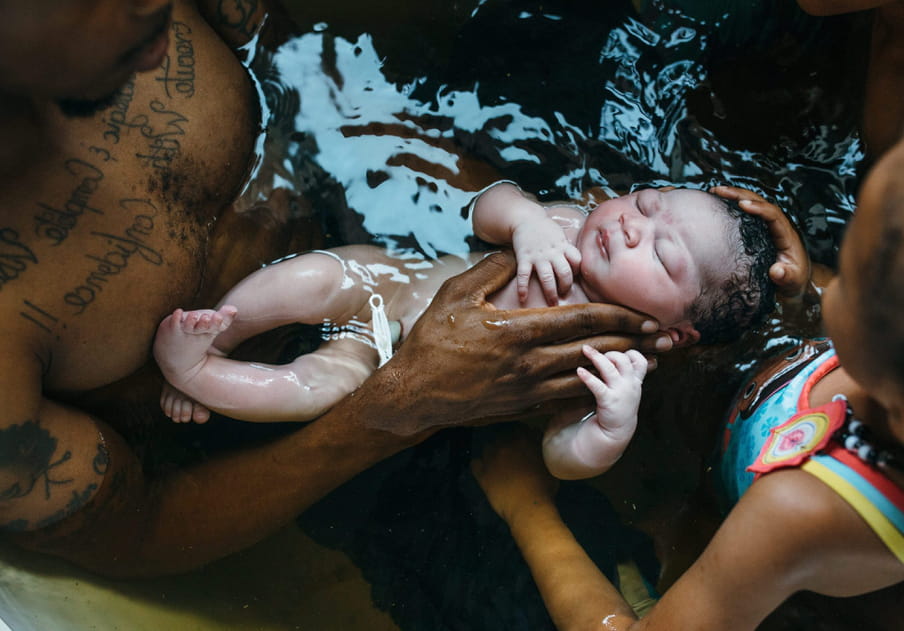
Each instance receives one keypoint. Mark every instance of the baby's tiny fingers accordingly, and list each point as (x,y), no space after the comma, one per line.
(597,388)
(564,274)
(604,366)
(638,362)
(523,280)
(573,255)
(548,281)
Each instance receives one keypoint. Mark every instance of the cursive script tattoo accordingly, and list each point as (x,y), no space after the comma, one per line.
(180,77)
(15,256)
(119,110)
(163,139)
(238,15)
(119,252)
(38,316)
(54,223)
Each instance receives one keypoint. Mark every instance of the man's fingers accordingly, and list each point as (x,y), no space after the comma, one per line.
(486,277)
(565,357)
(558,324)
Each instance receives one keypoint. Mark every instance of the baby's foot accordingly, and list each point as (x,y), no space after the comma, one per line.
(185,338)
(180,408)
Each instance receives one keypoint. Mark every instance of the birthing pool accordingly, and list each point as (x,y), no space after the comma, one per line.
(559,96)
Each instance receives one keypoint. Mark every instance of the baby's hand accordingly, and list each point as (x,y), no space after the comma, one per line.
(791,270)
(617,389)
(540,245)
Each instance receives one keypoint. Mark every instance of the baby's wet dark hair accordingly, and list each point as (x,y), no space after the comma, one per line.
(744,299)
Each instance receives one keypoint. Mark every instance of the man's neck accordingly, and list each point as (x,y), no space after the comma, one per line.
(23,124)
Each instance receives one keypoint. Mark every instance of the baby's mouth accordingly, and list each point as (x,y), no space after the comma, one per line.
(602,240)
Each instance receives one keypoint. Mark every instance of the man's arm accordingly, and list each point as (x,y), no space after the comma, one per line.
(463,361)
(237,21)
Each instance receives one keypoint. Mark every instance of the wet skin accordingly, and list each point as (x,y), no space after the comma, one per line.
(788,533)
(108,223)
(653,251)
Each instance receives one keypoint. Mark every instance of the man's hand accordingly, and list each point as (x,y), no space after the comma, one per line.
(465,360)
(791,270)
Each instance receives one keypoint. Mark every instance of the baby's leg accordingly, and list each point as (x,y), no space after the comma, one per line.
(299,391)
(184,341)
(310,289)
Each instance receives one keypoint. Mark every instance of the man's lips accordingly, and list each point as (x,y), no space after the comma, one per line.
(149,54)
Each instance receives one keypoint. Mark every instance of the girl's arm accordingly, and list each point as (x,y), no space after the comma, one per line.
(790,532)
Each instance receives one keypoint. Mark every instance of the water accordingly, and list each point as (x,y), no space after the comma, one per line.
(389,132)
(383,121)
(635,100)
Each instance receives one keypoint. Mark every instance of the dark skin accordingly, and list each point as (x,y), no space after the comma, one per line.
(109,222)
(883,113)
(789,532)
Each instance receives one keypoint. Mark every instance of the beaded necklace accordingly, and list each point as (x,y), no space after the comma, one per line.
(859,439)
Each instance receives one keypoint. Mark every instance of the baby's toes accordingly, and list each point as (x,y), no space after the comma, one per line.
(199,413)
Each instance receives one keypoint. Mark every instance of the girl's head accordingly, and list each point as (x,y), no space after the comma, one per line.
(862,306)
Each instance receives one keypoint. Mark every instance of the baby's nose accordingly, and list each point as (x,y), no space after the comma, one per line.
(633,227)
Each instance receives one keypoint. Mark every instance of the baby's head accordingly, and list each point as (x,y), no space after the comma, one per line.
(862,306)
(692,260)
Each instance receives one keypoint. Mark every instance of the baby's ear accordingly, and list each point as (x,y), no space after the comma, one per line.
(683,334)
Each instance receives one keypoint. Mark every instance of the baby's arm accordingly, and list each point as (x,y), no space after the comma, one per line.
(575,449)
(503,214)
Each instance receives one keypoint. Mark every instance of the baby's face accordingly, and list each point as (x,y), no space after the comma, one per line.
(654,251)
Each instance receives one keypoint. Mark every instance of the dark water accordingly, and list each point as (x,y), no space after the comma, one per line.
(387,121)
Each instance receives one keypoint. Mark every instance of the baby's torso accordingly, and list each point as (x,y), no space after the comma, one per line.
(773,426)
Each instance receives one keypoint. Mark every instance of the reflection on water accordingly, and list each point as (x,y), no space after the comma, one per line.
(631,101)
(384,133)
(389,145)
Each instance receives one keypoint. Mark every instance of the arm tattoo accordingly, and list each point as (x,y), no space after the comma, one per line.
(26,451)
(238,14)
(27,460)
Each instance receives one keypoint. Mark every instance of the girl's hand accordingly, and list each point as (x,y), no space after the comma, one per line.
(791,270)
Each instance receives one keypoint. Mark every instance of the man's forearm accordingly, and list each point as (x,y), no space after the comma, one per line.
(136,526)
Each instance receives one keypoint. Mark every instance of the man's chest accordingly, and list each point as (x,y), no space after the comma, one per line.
(107,232)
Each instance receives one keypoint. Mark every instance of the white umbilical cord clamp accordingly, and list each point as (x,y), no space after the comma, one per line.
(382,333)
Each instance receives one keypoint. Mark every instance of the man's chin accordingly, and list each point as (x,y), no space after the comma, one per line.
(86,108)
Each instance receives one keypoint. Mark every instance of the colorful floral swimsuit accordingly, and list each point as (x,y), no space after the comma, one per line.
(772,426)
